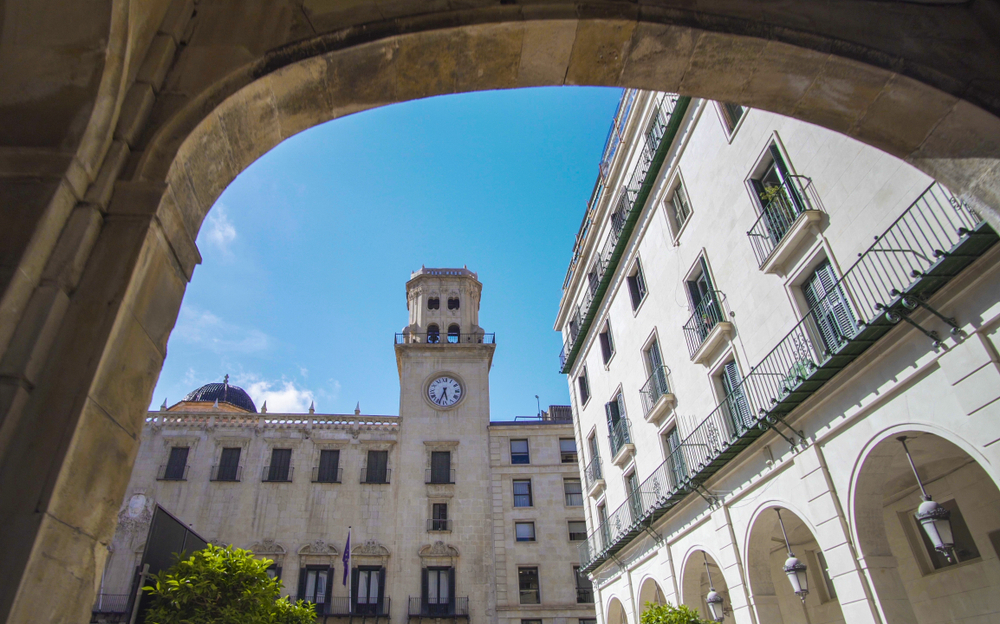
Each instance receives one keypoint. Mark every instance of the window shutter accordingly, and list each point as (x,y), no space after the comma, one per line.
(620,402)
(704,271)
(633,290)
(277,572)
(451,590)
(302,584)
(423,590)
(381,588)
(612,417)
(329,590)
(654,356)
(605,346)
(355,576)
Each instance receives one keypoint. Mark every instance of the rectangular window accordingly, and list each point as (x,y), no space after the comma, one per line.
(439,517)
(584,588)
(735,404)
(594,451)
(229,465)
(441,467)
(573,491)
(676,466)
(329,467)
(965,547)
(584,387)
(522,492)
(567,450)
(577,530)
(524,531)
(273,571)
(531,622)
(176,469)
(634,498)
(519,452)
(315,585)
(527,582)
(731,115)
(439,590)
(636,286)
(281,466)
(829,309)
(618,431)
(678,208)
(607,343)
(377,468)
(367,589)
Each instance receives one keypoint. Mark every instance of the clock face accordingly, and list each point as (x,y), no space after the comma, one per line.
(444,391)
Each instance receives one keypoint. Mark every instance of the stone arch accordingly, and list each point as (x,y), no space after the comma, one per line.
(650,591)
(615,612)
(695,580)
(883,495)
(766,553)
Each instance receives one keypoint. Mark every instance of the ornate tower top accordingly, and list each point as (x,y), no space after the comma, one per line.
(443,306)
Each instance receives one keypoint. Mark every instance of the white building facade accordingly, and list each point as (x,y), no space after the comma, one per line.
(451,517)
(756,312)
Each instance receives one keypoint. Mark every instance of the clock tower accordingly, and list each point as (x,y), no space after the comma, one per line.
(443,480)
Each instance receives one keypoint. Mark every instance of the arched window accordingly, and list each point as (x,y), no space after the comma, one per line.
(433,303)
(433,334)
(453,334)
(453,303)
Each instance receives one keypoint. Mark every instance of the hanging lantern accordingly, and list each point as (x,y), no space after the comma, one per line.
(933,518)
(796,572)
(794,569)
(715,607)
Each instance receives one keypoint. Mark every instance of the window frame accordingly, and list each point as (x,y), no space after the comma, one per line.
(638,289)
(441,475)
(522,591)
(607,341)
(276,472)
(572,533)
(583,387)
(386,472)
(526,455)
(525,523)
(529,494)
(565,456)
(730,126)
(568,481)
(170,470)
(675,227)
(334,472)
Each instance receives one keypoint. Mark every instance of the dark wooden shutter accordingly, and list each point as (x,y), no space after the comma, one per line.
(381,588)
(829,307)
(329,590)
(605,338)
(355,576)
(281,460)
(633,290)
(328,464)
(704,271)
(302,584)
(277,572)
(731,383)
(377,465)
(176,463)
(451,590)
(423,590)
(440,467)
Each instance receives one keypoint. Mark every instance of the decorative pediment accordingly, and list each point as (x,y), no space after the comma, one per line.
(267,546)
(319,547)
(370,548)
(438,550)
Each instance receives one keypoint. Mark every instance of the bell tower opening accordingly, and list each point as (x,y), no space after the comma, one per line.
(443,298)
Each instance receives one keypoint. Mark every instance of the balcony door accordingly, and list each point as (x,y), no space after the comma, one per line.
(736,400)
(829,308)
(316,586)
(780,201)
(438,590)
(367,589)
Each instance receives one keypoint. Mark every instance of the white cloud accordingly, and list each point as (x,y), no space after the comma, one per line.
(219,230)
(283,397)
(200,327)
(303,371)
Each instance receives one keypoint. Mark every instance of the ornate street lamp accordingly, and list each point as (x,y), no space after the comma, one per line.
(716,610)
(933,518)
(794,569)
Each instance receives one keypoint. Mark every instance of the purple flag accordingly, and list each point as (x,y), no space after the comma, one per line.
(347,556)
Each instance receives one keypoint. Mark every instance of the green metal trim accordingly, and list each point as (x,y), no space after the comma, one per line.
(673,125)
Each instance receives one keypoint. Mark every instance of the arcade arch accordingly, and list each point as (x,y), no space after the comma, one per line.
(770,589)
(651,592)
(701,574)
(123,122)
(615,613)
(911,581)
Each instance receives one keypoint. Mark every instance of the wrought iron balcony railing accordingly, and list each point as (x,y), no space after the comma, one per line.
(111,603)
(620,434)
(585,595)
(707,314)
(666,120)
(592,473)
(655,387)
(438,524)
(789,200)
(327,476)
(443,477)
(277,474)
(172,473)
(419,607)
(342,605)
(929,244)
(226,473)
(375,475)
(444,338)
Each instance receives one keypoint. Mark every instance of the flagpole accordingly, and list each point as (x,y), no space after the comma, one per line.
(347,566)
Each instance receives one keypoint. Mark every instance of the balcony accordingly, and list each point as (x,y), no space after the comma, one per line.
(620,435)
(666,121)
(438,524)
(341,606)
(277,474)
(784,223)
(594,477)
(657,400)
(167,472)
(110,607)
(933,241)
(439,477)
(444,339)
(419,608)
(585,595)
(226,473)
(376,475)
(335,475)
(708,329)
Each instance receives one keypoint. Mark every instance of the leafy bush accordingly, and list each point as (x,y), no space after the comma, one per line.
(669,614)
(222,586)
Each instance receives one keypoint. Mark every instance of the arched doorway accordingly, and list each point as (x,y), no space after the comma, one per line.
(912,581)
(773,596)
(702,574)
(650,592)
(616,612)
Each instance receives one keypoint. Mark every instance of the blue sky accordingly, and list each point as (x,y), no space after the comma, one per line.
(306,254)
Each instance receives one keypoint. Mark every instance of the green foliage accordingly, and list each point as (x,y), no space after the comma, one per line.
(669,614)
(771,192)
(223,586)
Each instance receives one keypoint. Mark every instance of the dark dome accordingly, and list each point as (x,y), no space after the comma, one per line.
(223,393)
